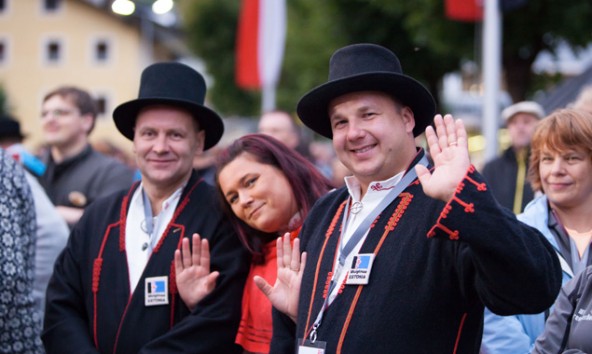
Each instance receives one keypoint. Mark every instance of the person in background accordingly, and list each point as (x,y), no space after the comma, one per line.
(11,139)
(569,327)
(267,190)
(561,169)
(114,287)
(584,100)
(20,321)
(52,230)
(76,174)
(282,126)
(205,164)
(404,258)
(506,174)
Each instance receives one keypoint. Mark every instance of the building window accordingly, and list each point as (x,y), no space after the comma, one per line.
(101,51)
(51,5)
(101,103)
(3,49)
(53,51)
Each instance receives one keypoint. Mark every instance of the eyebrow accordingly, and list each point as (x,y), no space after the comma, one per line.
(240,181)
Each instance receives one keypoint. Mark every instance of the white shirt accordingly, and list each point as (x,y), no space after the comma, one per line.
(376,192)
(138,244)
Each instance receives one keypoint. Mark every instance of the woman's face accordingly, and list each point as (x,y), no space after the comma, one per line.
(258,194)
(566,177)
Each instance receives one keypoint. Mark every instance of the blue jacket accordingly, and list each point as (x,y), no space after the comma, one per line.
(517,334)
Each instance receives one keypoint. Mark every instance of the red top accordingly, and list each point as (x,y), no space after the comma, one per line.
(255,330)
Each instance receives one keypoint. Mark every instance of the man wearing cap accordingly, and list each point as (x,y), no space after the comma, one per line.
(506,174)
(405,257)
(114,287)
(76,174)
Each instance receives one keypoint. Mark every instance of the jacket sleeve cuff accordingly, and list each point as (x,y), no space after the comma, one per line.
(460,203)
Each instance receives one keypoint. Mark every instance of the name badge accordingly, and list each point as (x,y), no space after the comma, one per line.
(308,347)
(156,291)
(359,273)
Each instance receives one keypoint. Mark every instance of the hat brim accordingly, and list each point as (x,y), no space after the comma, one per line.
(313,106)
(125,116)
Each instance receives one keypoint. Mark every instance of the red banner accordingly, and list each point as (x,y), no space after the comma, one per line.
(464,10)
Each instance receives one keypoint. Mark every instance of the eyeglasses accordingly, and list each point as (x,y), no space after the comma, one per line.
(58,112)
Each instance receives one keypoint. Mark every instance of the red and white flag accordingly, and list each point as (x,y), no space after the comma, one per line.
(464,10)
(260,43)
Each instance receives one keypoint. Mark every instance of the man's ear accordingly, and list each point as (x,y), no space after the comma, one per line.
(88,122)
(408,119)
(201,138)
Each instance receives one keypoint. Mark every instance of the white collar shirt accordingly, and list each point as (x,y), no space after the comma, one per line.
(138,243)
(375,194)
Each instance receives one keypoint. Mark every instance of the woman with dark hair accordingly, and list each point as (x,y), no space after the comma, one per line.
(267,189)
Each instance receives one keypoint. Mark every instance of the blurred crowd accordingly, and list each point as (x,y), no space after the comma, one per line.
(58,197)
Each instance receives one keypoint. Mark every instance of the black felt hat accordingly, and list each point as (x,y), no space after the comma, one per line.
(10,127)
(173,84)
(365,67)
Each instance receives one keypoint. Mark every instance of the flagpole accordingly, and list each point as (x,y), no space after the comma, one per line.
(491,75)
(268,98)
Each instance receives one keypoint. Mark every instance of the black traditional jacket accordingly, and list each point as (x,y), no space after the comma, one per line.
(89,305)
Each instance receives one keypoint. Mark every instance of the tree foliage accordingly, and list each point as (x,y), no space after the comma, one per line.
(540,25)
(427,43)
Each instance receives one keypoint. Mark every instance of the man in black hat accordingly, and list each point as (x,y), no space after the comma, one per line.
(404,258)
(114,287)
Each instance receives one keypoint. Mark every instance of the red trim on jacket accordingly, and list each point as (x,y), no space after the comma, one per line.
(98,262)
(467,207)
(318,269)
(390,226)
(460,328)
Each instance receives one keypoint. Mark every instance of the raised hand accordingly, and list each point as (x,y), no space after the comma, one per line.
(192,271)
(290,266)
(450,153)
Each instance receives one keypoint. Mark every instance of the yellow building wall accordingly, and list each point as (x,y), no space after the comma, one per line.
(26,77)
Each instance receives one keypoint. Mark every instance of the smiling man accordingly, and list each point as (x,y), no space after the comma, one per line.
(114,289)
(76,174)
(405,257)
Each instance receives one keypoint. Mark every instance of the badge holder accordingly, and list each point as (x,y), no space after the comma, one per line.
(309,347)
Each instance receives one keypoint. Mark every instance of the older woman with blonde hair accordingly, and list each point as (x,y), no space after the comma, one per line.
(561,171)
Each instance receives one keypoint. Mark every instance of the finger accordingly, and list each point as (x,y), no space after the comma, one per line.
(441,131)
(196,247)
(450,126)
(432,141)
(263,285)
(186,253)
(279,253)
(295,262)
(423,174)
(211,281)
(178,262)
(461,134)
(302,264)
(205,255)
(287,250)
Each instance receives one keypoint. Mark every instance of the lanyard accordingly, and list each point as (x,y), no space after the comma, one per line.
(345,250)
(149,219)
